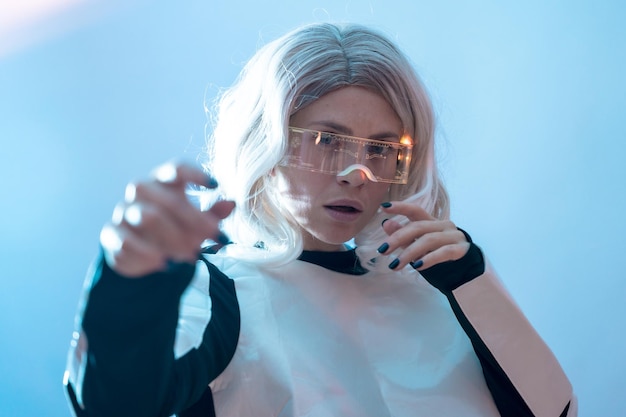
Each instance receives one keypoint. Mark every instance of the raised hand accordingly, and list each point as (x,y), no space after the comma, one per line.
(425,240)
(156,224)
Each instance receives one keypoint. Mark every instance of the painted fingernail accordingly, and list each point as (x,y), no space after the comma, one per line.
(394,263)
(383,223)
(383,248)
(386,204)
(211,182)
(223,238)
(417,264)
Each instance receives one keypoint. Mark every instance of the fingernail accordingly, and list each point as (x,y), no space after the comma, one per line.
(223,238)
(383,248)
(383,223)
(167,173)
(417,264)
(386,205)
(394,263)
(211,182)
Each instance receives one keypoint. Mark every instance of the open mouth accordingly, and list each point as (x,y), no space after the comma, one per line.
(344,209)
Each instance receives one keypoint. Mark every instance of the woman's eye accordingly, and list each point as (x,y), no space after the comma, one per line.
(326,139)
(377,150)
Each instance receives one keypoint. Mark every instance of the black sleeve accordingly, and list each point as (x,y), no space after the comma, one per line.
(448,276)
(130,328)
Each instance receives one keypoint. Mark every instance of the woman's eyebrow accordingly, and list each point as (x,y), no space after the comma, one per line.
(385,135)
(341,129)
(333,126)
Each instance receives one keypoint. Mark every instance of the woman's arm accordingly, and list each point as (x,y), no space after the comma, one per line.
(523,375)
(122,360)
(148,356)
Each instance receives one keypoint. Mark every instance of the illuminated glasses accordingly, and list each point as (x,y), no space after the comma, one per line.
(331,153)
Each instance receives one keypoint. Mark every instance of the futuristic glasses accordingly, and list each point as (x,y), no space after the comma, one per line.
(332,153)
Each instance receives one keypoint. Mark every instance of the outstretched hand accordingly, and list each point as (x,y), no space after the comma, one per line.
(425,241)
(156,224)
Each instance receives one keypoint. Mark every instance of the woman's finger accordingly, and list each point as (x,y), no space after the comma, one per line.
(390,226)
(172,201)
(128,254)
(445,253)
(172,204)
(222,209)
(413,231)
(150,223)
(449,244)
(410,210)
(181,174)
(424,241)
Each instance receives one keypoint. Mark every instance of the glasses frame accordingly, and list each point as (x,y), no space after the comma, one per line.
(403,158)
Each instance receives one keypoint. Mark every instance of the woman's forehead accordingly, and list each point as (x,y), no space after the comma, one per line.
(351,110)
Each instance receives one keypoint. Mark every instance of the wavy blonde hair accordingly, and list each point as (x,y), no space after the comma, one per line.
(250,122)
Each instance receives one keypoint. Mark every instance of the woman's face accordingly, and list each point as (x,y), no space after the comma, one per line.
(331,210)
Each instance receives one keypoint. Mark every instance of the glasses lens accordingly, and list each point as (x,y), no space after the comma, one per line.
(332,153)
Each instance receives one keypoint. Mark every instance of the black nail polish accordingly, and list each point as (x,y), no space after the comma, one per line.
(211,183)
(223,239)
(383,223)
(386,204)
(383,248)
(394,263)
(417,264)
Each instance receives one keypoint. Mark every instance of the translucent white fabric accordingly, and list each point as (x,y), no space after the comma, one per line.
(319,343)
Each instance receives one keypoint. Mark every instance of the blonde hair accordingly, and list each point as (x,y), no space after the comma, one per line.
(251,119)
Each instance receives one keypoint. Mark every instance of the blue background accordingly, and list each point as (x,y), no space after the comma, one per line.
(530,98)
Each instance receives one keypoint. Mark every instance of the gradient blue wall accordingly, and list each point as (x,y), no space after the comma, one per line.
(530,98)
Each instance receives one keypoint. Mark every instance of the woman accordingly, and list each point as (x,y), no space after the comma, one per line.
(325,142)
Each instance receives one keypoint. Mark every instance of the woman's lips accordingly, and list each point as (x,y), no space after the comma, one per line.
(344,211)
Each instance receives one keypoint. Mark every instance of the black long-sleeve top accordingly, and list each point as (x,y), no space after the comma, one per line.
(125,360)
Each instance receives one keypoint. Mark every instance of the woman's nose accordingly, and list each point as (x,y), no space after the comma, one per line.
(355,175)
